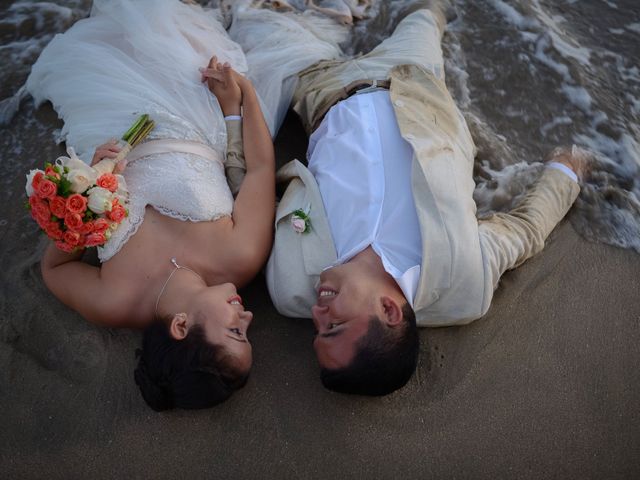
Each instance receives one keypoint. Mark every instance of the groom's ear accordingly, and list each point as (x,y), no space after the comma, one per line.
(392,311)
(179,326)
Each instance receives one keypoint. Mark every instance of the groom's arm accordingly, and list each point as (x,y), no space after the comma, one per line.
(234,164)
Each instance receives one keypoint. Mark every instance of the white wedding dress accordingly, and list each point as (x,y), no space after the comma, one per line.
(142,56)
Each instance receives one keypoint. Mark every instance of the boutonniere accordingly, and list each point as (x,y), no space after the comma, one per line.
(300,221)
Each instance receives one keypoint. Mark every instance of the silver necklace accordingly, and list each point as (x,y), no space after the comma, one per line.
(177,267)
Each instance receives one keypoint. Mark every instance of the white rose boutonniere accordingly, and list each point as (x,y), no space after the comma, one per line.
(300,221)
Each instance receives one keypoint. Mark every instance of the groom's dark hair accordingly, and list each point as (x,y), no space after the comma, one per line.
(384,361)
(190,373)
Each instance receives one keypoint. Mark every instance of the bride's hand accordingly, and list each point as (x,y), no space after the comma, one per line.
(111,149)
(226,84)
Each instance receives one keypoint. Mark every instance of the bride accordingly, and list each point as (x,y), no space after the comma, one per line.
(173,266)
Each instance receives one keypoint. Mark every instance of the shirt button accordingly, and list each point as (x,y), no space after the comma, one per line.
(399,103)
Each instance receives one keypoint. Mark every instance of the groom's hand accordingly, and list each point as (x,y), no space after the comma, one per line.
(226,84)
(575,158)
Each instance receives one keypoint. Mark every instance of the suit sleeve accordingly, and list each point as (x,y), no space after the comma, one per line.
(508,239)
(234,164)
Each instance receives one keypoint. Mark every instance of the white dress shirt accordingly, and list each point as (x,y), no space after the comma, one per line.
(363,168)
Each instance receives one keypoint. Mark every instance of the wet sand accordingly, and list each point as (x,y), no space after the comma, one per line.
(547,385)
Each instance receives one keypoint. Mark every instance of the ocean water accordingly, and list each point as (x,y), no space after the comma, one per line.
(528,75)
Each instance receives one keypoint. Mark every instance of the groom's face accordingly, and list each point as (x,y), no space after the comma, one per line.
(341,315)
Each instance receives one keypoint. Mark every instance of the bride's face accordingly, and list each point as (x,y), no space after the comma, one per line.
(225,322)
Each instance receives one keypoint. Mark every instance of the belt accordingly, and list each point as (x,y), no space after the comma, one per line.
(359,85)
(180,146)
(344,93)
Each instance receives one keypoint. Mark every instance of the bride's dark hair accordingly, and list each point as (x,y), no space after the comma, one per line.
(189,373)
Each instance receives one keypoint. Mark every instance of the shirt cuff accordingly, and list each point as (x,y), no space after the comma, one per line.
(564,169)
(232,117)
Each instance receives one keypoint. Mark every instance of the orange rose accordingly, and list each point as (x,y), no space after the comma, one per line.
(95,239)
(71,238)
(100,225)
(37,178)
(42,223)
(58,206)
(108,181)
(34,200)
(65,247)
(76,203)
(88,227)
(41,212)
(53,231)
(46,189)
(50,172)
(73,221)
(117,213)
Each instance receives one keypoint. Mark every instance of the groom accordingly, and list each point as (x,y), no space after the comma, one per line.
(393,242)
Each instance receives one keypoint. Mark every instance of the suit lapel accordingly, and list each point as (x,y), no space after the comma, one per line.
(317,245)
(423,117)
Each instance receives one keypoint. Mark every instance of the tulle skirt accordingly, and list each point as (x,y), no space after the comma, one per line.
(131,57)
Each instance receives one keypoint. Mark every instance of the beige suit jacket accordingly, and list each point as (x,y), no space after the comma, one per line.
(462,258)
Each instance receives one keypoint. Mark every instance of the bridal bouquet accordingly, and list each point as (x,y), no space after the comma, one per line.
(79,206)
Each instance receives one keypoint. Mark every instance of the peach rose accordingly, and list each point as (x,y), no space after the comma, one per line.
(46,189)
(53,231)
(95,239)
(58,206)
(100,225)
(71,238)
(65,247)
(117,213)
(108,181)
(76,203)
(73,221)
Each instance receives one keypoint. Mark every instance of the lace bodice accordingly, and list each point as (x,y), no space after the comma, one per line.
(180,185)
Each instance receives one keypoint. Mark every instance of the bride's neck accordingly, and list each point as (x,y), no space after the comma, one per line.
(179,292)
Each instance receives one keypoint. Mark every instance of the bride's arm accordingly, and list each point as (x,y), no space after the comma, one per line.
(80,286)
(254,208)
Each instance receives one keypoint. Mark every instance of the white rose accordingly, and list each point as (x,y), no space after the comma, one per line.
(298,224)
(81,175)
(80,181)
(30,176)
(100,200)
